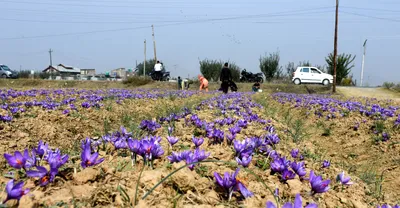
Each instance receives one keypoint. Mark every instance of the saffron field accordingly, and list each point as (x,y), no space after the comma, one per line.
(164,148)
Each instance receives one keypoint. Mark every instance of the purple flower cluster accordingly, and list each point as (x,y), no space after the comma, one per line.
(298,203)
(150,126)
(32,163)
(230,184)
(388,206)
(148,148)
(189,157)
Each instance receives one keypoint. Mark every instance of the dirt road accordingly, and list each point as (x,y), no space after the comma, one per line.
(379,93)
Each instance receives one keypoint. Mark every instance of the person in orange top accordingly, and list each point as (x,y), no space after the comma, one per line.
(203,83)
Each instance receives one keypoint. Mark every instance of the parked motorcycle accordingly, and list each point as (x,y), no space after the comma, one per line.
(251,77)
(165,76)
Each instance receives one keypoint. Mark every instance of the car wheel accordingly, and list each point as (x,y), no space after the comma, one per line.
(4,76)
(297,81)
(325,82)
(261,80)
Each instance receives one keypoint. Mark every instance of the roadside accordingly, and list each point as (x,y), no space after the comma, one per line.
(379,93)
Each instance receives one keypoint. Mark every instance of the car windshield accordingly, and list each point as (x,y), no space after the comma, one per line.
(5,68)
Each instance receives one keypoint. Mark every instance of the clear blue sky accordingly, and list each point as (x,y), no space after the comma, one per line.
(107,34)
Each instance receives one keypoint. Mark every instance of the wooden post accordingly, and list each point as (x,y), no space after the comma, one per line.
(335,47)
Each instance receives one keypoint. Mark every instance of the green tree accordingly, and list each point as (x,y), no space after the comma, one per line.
(344,65)
(211,69)
(269,65)
(149,67)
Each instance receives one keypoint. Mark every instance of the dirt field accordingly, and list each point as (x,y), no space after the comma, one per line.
(357,136)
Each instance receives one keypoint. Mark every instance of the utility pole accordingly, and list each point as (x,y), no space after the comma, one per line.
(154,43)
(362,65)
(51,60)
(144,63)
(335,47)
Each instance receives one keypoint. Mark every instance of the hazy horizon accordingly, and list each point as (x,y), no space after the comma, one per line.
(106,34)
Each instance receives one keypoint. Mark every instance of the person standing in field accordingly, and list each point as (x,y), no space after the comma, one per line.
(203,83)
(225,77)
(157,70)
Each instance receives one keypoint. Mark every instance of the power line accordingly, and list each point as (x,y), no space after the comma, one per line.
(372,9)
(369,16)
(165,25)
(159,21)
(202,5)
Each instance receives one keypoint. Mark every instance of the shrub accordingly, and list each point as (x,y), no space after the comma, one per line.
(137,81)
(211,69)
(269,65)
(388,85)
(344,65)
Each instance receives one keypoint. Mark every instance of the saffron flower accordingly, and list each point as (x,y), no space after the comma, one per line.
(17,160)
(279,165)
(197,141)
(244,161)
(326,164)
(297,204)
(295,153)
(343,180)
(287,175)
(299,169)
(317,184)
(55,159)
(388,206)
(230,184)
(45,177)
(15,191)
(87,158)
(172,140)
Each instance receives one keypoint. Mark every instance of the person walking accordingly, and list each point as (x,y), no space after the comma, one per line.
(157,70)
(225,78)
(203,83)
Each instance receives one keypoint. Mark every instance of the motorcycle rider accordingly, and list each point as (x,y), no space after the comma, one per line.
(157,70)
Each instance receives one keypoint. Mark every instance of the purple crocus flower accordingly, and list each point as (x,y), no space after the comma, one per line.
(197,141)
(175,157)
(287,175)
(55,159)
(230,184)
(41,149)
(45,177)
(343,180)
(317,184)
(15,191)
(150,149)
(279,165)
(299,169)
(17,161)
(295,153)
(272,139)
(297,204)
(326,164)
(244,161)
(388,206)
(172,140)
(88,159)
(134,145)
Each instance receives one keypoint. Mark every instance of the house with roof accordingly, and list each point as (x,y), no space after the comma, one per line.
(62,70)
(88,72)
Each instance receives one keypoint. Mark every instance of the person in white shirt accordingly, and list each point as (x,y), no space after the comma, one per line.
(157,70)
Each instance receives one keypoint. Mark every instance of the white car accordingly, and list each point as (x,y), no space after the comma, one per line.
(306,74)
